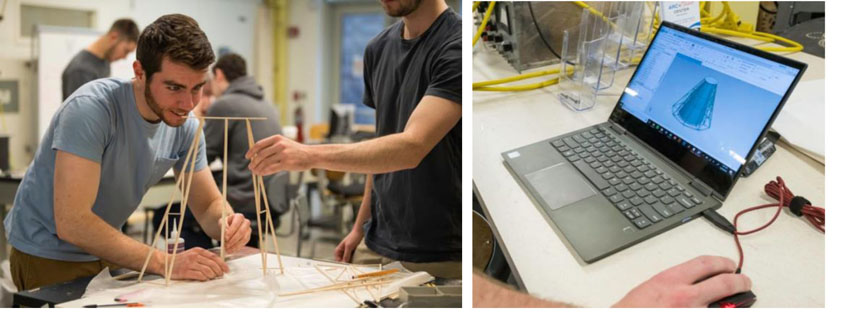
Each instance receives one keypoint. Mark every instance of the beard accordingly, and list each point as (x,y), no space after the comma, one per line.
(406,7)
(109,52)
(159,110)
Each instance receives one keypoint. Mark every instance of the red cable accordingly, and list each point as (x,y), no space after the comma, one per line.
(777,190)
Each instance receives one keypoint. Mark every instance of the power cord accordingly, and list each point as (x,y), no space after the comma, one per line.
(483,25)
(540,33)
(797,205)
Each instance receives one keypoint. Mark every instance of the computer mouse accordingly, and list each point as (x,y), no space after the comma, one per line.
(740,300)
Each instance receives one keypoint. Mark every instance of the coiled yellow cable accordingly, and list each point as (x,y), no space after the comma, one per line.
(524,87)
(728,23)
(715,25)
(515,78)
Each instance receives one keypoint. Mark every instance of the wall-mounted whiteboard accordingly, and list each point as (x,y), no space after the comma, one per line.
(54,48)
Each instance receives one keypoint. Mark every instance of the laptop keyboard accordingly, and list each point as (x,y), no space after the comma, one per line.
(643,193)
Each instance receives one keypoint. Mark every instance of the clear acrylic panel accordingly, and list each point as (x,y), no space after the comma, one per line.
(584,70)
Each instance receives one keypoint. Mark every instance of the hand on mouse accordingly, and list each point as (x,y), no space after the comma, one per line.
(683,285)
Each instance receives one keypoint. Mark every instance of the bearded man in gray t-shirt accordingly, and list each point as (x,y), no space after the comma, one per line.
(110,142)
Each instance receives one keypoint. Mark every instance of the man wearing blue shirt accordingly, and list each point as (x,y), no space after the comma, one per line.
(111,141)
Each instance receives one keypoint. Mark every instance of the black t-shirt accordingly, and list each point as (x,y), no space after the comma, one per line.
(416,213)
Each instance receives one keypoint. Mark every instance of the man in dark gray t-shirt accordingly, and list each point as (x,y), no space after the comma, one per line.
(411,211)
(94,62)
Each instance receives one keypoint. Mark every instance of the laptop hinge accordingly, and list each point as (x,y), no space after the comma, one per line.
(618,128)
(702,187)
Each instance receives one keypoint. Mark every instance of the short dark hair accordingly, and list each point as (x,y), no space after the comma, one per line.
(232,65)
(126,28)
(177,37)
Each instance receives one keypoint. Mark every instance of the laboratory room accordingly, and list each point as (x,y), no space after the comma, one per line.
(648,154)
(230,153)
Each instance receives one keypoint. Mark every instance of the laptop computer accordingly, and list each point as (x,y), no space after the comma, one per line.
(674,145)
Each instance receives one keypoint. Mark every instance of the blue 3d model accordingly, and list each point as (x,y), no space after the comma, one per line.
(695,109)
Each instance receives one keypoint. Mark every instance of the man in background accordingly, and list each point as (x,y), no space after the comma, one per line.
(94,62)
(236,94)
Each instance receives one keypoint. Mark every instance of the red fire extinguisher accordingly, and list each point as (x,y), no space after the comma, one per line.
(299,119)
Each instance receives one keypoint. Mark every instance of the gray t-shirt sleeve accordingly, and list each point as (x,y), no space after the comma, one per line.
(446,73)
(201,162)
(83,128)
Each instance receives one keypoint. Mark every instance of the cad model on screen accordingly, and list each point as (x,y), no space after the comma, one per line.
(695,109)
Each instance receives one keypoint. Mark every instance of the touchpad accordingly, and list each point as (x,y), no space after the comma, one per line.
(560,185)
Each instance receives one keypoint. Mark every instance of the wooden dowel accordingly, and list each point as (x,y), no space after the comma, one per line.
(324,274)
(376,273)
(270,224)
(166,251)
(330,288)
(187,191)
(375,298)
(351,296)
(366,279)
(179,181)
(224,192)
(256,200)
(342,271)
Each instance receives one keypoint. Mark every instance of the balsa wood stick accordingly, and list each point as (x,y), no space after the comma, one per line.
(256,199)
(224,191)
(336,287)
(185,187)
(179,185)
(375,273)
(187,191)
(260,219)
(324,274)
(157,234)
(271,226)
(184,183)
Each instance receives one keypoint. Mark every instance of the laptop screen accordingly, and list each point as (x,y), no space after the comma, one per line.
(704,102)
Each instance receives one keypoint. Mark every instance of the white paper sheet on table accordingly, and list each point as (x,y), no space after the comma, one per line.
(801,121)
(244,286)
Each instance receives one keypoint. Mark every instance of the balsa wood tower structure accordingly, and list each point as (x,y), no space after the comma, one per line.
(183,184)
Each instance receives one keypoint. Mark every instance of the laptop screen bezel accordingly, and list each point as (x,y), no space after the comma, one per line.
(710,174)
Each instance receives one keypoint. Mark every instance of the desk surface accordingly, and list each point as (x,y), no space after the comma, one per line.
(52,295)
(785,261)
(243,286)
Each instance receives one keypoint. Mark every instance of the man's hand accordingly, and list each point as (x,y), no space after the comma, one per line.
(238,233)
(694,283)
(197,264)
(344,250)
(278,153)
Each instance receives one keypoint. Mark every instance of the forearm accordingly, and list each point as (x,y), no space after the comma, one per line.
(364,209)
(380,155)
(96,237)
(488,293)
(206,203)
